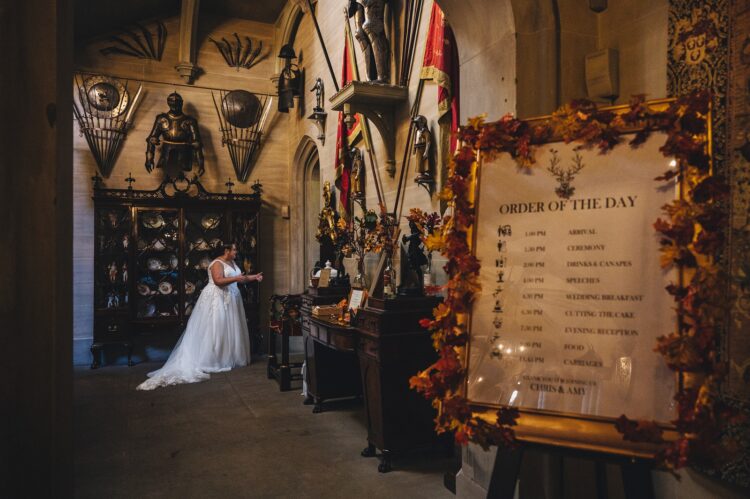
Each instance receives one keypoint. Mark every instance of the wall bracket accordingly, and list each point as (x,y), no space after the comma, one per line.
(377,103)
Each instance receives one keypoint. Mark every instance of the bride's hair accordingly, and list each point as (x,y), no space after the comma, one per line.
(223,248)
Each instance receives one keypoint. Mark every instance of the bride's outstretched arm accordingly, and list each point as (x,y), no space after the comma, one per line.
(217,273)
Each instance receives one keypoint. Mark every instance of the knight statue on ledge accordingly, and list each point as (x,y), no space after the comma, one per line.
(370,33)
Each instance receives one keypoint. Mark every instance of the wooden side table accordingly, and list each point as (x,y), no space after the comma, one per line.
(332,365)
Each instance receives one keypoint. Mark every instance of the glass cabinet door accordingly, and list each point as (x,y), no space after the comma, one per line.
(205,231)
(157,263)
(111,274)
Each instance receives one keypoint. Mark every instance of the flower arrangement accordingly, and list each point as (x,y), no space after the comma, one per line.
(692,237)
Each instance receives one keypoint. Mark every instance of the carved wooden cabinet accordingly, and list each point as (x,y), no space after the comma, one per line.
(392,347)
(152,250)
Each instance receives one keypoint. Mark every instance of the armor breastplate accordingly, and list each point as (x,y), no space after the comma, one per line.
(176,129)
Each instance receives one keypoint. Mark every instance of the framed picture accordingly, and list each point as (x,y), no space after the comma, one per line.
(357,298)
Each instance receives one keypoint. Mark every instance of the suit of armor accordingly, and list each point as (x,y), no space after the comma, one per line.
(422,145)
(358,174)
(370,33)
(180,140)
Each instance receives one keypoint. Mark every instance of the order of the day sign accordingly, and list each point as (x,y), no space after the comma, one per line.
(573,294)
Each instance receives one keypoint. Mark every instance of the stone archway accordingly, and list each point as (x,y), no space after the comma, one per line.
(511,47)
(304,166)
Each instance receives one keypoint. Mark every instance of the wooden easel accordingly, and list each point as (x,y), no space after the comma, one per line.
(636,473)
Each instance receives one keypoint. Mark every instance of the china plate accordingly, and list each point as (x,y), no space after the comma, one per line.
(153,221)
(153,264)
(210,221)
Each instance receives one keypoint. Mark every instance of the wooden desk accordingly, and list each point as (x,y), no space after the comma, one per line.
(332,365)
(392,347)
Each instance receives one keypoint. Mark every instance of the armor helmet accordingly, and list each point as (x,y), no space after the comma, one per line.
(175,102)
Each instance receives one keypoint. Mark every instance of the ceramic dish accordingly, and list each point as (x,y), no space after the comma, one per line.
(210,221)
(153,221)
(189,288)
(153,264)
(165,288)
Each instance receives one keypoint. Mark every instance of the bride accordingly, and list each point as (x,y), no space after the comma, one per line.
(216,337)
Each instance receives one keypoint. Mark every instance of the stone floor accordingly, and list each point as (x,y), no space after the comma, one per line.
(235,435)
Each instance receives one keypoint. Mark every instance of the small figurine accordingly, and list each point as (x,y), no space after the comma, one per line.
(112,272)
(318,89)
(422,148)
(125,272)
(125,241)
(113,301)
(415,258)
(358,174)
(180,140)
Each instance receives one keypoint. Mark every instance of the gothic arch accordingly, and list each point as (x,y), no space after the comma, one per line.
(286,28)
(304,161)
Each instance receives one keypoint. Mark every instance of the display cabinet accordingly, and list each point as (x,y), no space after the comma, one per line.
(152,253)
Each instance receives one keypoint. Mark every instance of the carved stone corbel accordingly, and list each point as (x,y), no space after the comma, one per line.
(376,102)
(186,67)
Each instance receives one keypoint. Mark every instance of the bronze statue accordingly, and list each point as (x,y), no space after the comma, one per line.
(422,149)
(358,174)
(180,140)
(370,33)
(413,280)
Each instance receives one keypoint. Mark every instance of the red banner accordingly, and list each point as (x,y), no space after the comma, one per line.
(440,64)
(345,136)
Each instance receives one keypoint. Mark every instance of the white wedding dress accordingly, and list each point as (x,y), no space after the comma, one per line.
(215,339)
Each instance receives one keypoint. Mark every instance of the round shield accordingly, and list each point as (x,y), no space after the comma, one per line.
(240,108)
(106,96)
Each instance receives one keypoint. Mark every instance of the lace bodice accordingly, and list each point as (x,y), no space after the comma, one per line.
(229,271)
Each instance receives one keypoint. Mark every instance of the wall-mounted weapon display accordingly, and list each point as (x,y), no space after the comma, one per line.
(240,54)
(141,41)
(413,13)
(104,110)
(243,117)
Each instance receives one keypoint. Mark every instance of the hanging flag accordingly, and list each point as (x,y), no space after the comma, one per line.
(440,64)
(345,136)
